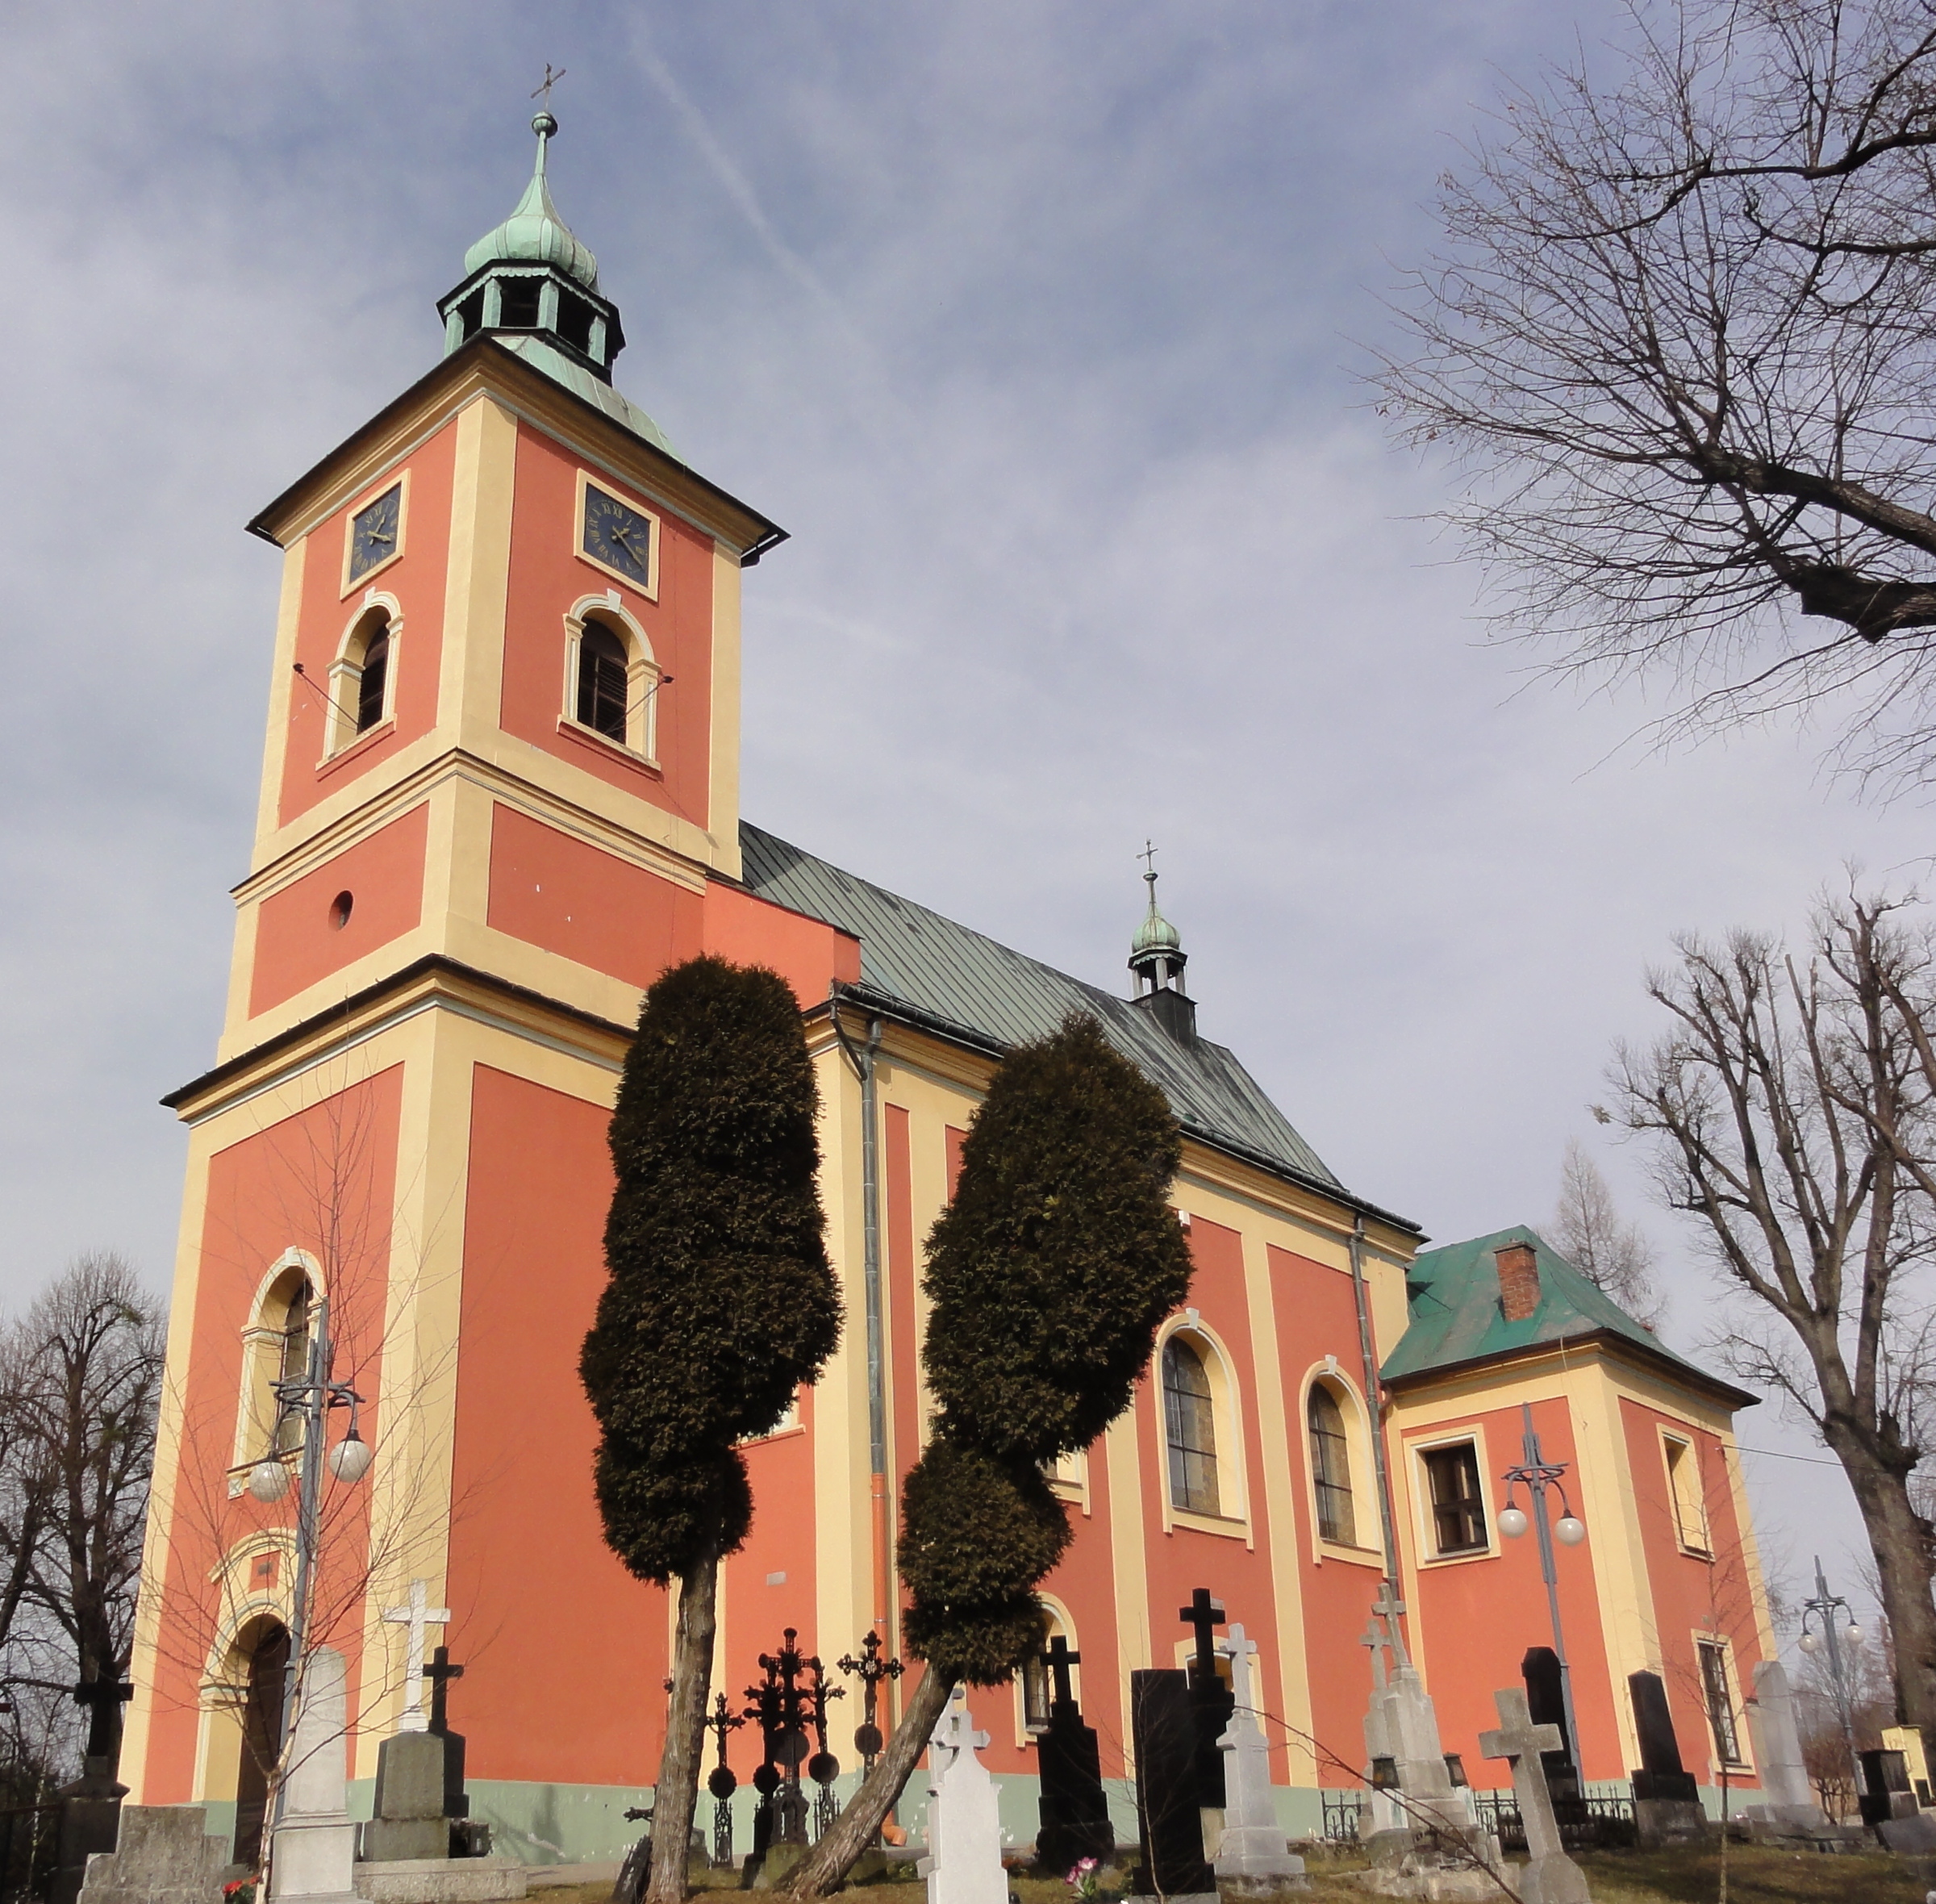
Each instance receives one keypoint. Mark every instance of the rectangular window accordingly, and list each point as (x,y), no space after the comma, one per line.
(1720,1701)
(1458,1513)
(1688,1496)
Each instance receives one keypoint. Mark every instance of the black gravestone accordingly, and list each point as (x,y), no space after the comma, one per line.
(1162,1723)
(1661,1774)
(440,1673)
(1075,1809)
(1546,1701)
(1887,1793)
(1211,1701)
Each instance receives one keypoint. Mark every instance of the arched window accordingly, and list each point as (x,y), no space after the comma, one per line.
(1331,1468)
(292,1357)
(1037,1682)
(1188,1408)
(603,678)
(373,676)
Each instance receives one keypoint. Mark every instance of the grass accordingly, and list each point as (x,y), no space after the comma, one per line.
(1756,1875)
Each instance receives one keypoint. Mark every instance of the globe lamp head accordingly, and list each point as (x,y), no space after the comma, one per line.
(1854,1634)
(269,1480)
(1571,1531)
(1513,1522)
(1811,1642)
(350,1459)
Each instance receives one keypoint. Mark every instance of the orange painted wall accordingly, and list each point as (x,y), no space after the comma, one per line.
(1691,1595)
(296,944)
(550,576)
(416,579)
(1317,1315)
(565,1652)
(323,1180)
(1481,1616)
(806,953)
(551,889)
(757,1607)
(1185,1559)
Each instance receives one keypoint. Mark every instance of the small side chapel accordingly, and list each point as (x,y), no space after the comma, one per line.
(499,795)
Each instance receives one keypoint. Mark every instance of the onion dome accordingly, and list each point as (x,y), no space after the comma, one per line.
(1156,953)
(534,234)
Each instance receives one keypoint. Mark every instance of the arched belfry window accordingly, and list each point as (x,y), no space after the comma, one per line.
(373,676)
(1189,1424)
(1331,1468)
(363,680)
(275,1348)
(604,679)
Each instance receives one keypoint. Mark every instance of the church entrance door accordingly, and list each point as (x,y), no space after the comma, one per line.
(261,1739)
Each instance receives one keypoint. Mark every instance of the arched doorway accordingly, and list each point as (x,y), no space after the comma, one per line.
(268,1646)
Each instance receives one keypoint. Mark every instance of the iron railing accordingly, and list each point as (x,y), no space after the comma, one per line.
(1342,1811)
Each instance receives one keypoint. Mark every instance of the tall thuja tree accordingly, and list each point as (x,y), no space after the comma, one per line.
(1047,1278)
(720,1303)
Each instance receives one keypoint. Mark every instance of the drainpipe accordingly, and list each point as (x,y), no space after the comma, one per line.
(1387,1525)
(861,1058)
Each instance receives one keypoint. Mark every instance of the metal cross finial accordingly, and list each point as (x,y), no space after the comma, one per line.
(1148,857)
(551,79)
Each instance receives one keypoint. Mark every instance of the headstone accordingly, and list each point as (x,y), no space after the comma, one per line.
(1162,1725)
(410,1821)
(1210,1701)
(1886,1790)
(314,1842)
(1546,1700)
(1075,1809)
(90,1807)
(1908,1740)
(468,1840)
(1254,1852)
(964,1860)
(1380,1758)
(1667,1800)
(1551,1877)
(1787,1797)
(163,1857)
(416,1614)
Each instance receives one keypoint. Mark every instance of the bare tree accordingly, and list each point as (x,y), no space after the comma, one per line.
(1793,1116)
(1613,1254)
(1680,340)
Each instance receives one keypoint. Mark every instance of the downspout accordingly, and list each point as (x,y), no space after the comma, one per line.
(861,1058)
(1387,1524)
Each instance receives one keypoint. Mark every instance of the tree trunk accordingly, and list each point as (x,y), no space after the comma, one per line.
(821,1871)
(1900,1540)
(677,1791)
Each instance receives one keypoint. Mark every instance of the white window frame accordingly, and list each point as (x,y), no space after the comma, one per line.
(644,678)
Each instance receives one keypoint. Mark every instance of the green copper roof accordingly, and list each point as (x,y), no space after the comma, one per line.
(966,985)
(580,383)
(1457,1316)
(1155,933)
(534,233)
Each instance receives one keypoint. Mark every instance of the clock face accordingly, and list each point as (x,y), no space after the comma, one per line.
(618,537)
(373,532)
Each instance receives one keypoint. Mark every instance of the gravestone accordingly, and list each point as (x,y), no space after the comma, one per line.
(315,1843)
(1253,1854)
(1546,1700)
(1908,1740)
(1380,1761)
(1887,1793)
(415,1614)
(1788,1798)
(1210,1703)
(467,1838)
(90,1807)
(409,1806)
(1162,1727)
(1075,1809)
(1667,1800)
(1550,1877)
(964,1860)
(163,1857)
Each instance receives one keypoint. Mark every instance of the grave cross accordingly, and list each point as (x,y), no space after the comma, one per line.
(440,1673)
(416,1615)
(102,1698)
(1374,1637)
(722,1721)
(1553,1877)
(1388,1607)
(1204,1615)
(1058,1659)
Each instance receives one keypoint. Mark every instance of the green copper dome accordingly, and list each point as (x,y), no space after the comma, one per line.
(534,233)
(1155,933)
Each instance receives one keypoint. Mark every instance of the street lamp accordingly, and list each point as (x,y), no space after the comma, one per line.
(1539,1474)
(309,1401)
(1826,1607)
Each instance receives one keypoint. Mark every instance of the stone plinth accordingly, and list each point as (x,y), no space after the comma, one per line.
(410,1823)
(163,1857)
(439,1880)
(316,1843)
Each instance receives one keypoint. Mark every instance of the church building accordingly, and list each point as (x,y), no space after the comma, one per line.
(500,795)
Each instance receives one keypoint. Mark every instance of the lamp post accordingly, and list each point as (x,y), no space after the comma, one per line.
(309,1401)
(1539,1474)
(1824,1607)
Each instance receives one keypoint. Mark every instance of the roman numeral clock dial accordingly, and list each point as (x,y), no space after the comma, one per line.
(373,533)
(618,538)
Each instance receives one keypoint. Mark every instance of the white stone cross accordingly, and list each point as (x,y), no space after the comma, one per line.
(416,1616)
(1374,1637)
(1553,1877)
(1240,1651)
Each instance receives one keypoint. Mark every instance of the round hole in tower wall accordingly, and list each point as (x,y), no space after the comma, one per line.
(340,909)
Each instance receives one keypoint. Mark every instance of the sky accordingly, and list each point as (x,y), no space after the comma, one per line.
(1041,328)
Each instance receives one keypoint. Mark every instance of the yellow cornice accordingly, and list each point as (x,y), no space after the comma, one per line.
(484,369)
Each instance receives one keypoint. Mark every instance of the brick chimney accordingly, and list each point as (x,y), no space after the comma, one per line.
(1518,1280)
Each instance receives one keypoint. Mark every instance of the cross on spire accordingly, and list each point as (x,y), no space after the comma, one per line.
(1148,857)
(440,1673)
(551,79)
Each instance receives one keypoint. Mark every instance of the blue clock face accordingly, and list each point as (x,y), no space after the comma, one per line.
(617,536)
(373,532)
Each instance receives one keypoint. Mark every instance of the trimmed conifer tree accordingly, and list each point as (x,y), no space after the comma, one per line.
(719,1305)
(1047,1277)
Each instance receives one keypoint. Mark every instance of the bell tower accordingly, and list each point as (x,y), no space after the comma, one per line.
(500,795)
